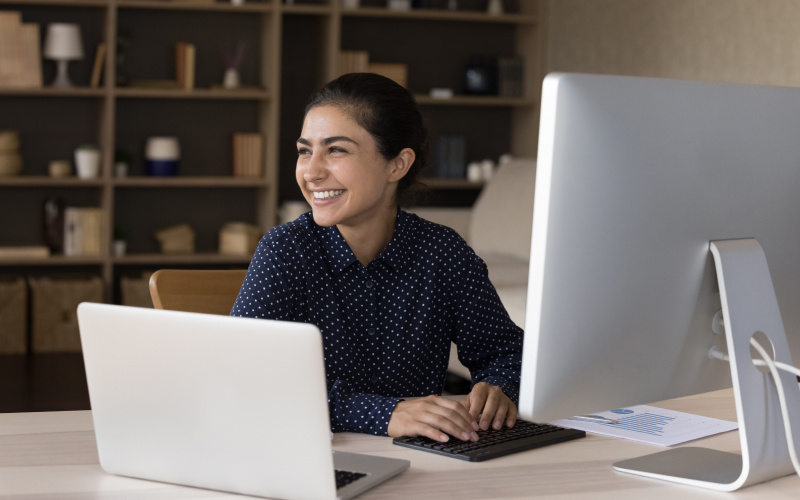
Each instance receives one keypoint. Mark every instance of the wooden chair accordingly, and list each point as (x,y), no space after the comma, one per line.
(192,290)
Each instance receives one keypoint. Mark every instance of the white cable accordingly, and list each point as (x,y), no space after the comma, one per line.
(773,369)
(717,354)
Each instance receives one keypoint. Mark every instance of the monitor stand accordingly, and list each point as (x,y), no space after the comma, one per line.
(749,305)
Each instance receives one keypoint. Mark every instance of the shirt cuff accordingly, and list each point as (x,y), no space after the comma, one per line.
(359,412)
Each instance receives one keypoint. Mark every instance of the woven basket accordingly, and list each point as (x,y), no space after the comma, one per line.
(55,303)
(13,316)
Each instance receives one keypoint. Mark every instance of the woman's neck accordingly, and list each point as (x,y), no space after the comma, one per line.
(368,239)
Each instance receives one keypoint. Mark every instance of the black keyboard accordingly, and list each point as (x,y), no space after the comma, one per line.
(493,443)
(345,477)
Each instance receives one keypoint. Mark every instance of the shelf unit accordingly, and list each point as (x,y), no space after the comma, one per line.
(291,50)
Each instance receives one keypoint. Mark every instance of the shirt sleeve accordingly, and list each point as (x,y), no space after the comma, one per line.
(274,288)
(489,343)
(353,411)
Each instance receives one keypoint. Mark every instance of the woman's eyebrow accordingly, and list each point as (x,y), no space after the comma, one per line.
(329,140)
(338,138)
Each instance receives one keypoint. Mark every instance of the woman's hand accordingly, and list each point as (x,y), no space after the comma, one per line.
(432,416)
(491,404)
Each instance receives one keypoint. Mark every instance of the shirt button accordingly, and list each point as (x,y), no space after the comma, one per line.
(374,379)
(371,331)
(369,283)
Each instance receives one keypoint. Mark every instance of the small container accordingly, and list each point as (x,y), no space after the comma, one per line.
(59,168)
(162,155)
(10,163)
(87,162)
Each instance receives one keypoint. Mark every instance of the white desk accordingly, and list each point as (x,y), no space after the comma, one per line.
(53,455)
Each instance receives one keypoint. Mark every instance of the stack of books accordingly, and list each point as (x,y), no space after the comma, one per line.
(19,52)
(353,61)
(448,157)
(247,155)
(357,61)
(184,65)
(510,76)
(82,231)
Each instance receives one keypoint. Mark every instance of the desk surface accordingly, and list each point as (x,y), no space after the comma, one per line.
(53,455)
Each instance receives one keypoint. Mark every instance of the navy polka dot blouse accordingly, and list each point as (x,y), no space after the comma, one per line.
(386,327)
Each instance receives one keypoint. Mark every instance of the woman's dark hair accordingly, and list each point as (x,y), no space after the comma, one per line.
(388,112)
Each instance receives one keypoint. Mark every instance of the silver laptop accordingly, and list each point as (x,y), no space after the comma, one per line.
(230,404)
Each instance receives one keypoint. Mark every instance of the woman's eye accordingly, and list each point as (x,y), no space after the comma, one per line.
(303,151)
(336,149)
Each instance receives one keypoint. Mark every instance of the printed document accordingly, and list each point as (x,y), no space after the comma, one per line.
(648,424)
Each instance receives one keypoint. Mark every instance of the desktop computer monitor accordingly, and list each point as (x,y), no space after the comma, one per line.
(637,180)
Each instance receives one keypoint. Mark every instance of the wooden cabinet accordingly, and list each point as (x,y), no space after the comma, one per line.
(291,48)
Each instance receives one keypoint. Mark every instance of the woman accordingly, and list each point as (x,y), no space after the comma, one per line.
(388,290)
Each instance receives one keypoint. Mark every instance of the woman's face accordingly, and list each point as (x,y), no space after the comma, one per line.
(340,171)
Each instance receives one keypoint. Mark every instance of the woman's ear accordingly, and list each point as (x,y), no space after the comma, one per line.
(401,164)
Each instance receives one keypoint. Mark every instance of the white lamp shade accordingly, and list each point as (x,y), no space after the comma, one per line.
(63,41)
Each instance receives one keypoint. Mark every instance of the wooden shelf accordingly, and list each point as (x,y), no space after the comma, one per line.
(44,181)
(440,15)
(53,260)
(309,10)
(191,182)
(248,7)
(52,92)
(64,3)
(470,100)
(194,258)
(137,92)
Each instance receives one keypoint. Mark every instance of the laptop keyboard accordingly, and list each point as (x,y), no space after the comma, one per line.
(345,477)
(495,443)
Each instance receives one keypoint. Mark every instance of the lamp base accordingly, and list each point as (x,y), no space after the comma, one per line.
(62,77)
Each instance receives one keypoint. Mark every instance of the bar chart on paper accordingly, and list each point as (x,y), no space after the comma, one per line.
(652,425)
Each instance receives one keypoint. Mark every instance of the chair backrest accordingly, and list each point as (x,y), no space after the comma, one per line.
(194,290)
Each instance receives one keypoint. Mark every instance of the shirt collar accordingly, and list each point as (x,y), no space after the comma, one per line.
(339,256)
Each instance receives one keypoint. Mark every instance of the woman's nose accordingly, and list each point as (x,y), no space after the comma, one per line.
(315,169)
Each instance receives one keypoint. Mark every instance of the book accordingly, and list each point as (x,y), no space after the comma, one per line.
(247,154)
(396,72)
(10,65)
(97,69)
(82,231)
(185,65)
(29,53)
(353,61)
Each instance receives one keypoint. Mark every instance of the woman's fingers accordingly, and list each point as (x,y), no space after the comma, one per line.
(434,417)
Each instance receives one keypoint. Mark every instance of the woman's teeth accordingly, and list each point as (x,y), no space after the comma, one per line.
(324,195)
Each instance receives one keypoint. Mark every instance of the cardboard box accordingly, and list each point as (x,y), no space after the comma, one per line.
(13,316)
(54,320)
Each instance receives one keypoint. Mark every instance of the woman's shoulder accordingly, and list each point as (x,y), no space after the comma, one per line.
(425,233)
(296,234)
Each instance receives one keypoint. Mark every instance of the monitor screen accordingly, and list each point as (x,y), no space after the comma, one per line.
(635,178)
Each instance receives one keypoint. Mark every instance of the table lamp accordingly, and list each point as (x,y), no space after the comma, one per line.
(63,44)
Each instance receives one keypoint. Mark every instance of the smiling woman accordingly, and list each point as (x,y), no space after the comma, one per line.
(388,290)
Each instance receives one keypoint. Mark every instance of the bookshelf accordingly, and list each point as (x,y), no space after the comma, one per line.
(291,50)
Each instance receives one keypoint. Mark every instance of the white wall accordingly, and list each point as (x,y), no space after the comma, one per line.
(745,41)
